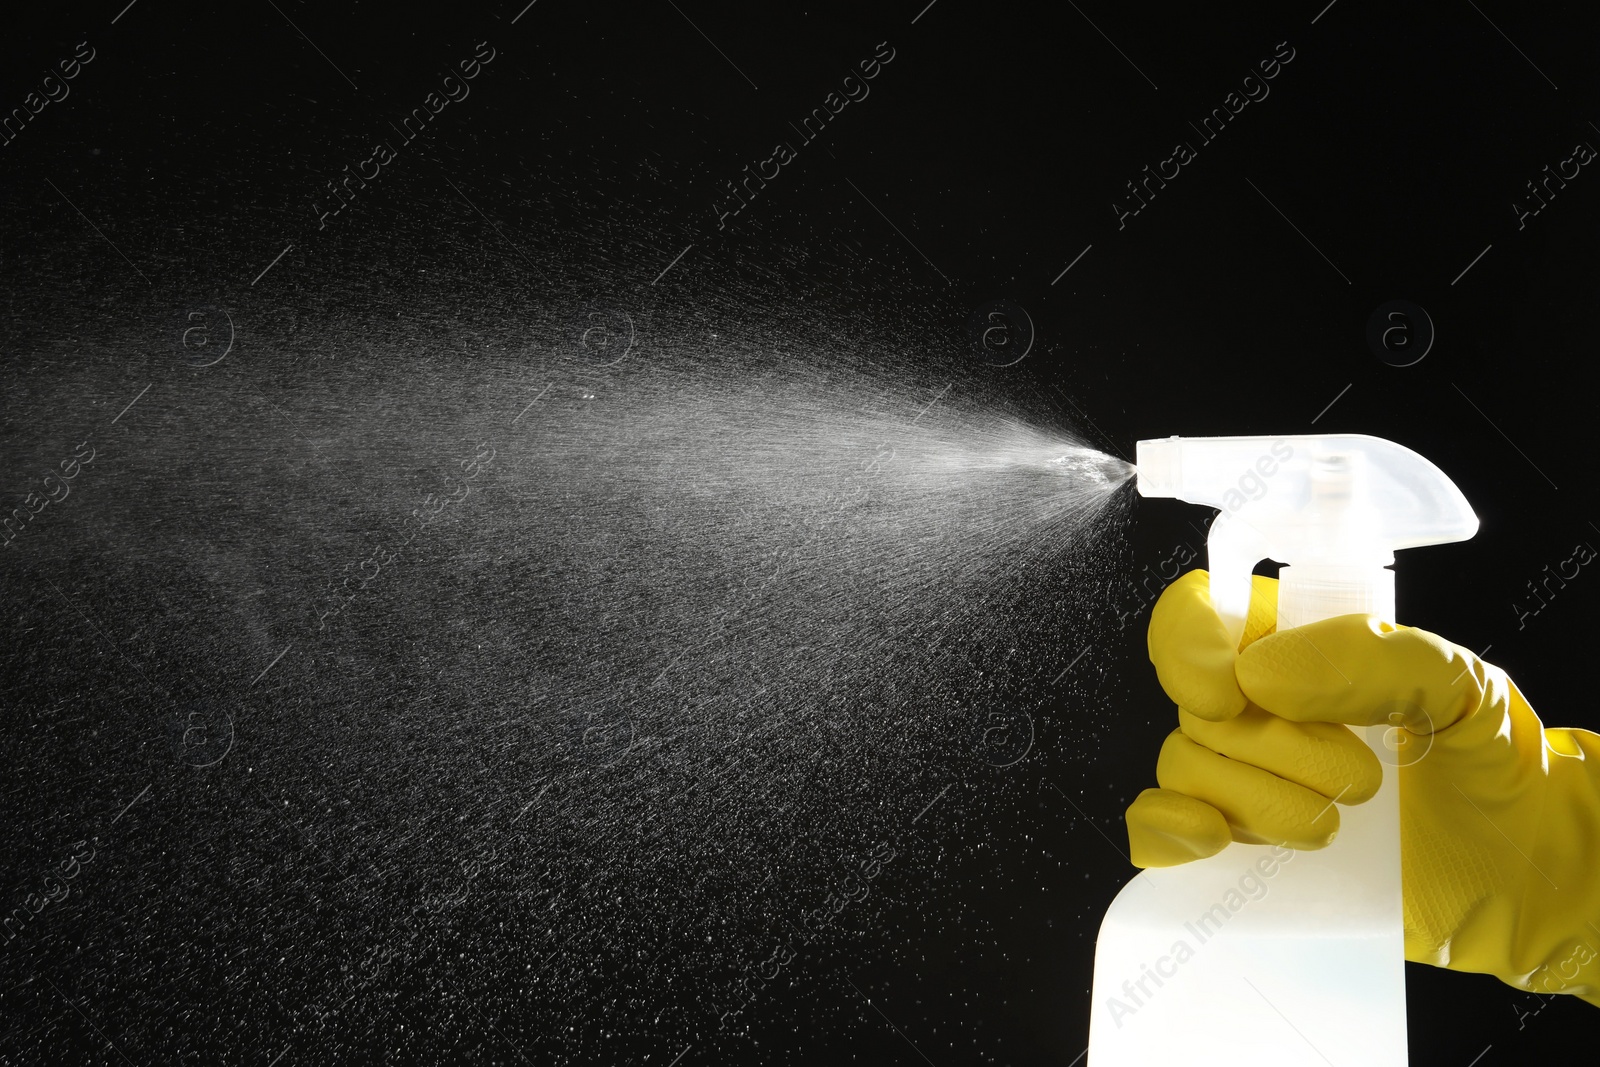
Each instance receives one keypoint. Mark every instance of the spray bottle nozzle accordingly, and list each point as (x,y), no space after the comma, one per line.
(1332,508)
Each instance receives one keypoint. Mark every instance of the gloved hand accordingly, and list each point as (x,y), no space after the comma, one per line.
(1500,817)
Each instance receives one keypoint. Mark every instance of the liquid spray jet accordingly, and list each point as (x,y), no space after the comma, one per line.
(1195,964)
(1096,468)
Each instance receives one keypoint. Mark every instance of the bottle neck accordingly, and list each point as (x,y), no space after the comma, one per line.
(1310,592)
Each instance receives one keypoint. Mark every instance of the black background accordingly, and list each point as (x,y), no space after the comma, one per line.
(985,160)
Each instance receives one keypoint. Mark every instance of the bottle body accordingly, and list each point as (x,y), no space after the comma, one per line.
(1295,957)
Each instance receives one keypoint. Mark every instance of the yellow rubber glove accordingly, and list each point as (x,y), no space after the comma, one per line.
(1500,817)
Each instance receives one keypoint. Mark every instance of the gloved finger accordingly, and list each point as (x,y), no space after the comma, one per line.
(1260,807)
(1167,828)
(1263,617)
(1324,757)
(1191,651)
(1360,670)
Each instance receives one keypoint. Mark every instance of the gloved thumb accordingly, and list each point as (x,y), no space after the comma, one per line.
(1361,671)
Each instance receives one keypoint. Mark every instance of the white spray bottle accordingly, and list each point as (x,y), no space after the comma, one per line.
(1262,955)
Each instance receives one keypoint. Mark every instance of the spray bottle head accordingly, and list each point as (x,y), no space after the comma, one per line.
(1335,508)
